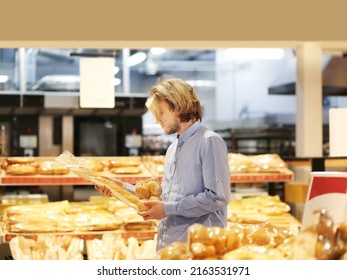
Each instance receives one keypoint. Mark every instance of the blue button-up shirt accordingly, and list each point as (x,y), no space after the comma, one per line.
(196,184)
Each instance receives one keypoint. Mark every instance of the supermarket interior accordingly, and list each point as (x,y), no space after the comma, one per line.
(280,110)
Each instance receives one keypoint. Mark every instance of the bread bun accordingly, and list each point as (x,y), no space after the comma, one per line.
(148,188)
(341,241)
(341,232)
(96,165)
(259,236)
(143,225)
(154,187)
(220,239)
(126,170)
(20,160)
(51,168)
(124,163)
(200,250)
(141,191)
(234,237)
(254,253)
(21,169)
(200,234)
(175,251)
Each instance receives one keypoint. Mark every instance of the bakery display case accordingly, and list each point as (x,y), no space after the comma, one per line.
(86,230)
(265,168)
(46,171)
(76,230)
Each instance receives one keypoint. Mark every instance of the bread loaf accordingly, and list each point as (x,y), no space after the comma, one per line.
(21,169)
(85,172)
(148,188)
(122,194)
(51,168)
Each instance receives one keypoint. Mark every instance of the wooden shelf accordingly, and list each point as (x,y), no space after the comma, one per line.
(261,177)
(71,179)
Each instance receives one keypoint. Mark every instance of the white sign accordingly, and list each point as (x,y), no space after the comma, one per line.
(338,132)
(327,190)
(27,141)
(96,82)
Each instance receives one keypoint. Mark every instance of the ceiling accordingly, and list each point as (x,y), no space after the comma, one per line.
(195,62)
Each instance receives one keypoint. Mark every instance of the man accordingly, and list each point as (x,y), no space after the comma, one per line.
(196,179)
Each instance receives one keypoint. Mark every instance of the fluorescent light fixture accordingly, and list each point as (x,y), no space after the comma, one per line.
(117,82)
(136,58)
(254,53)
(202,83)
(3,78)
(157,51)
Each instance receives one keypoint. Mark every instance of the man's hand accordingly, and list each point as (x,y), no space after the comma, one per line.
(155,211)
(106,191)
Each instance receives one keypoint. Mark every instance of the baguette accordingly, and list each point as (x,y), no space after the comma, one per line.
(85,172)
(122,194)
(116,189)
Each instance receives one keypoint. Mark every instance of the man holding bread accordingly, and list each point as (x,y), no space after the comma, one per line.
(196,178)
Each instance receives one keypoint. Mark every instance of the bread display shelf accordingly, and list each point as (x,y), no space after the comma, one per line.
(68,179)
(258,177)
(148,170)
(71,179)
(138,234)
(261,177)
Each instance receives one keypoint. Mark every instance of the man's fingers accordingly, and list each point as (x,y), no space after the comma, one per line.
(149,203)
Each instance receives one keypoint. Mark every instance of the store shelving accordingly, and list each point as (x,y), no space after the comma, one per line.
(71,179)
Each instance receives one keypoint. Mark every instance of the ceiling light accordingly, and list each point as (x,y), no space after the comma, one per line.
(3,78)
(202,83)
(115,70)
(151,67)
(136,58)
(157,51)
(254,53)
(117,82)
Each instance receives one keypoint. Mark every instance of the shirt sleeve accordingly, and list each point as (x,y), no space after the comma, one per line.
(216,178)
(129,187)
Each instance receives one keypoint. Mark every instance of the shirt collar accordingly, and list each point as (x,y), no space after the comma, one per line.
(189,132)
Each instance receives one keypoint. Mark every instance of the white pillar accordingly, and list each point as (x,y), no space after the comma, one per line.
(126,71)
(226,103)
(309,112)
(68,133)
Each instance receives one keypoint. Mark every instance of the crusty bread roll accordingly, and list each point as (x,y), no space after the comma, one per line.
(154,187)
(201,251)
(96,165)
(142,192)
(198,233)
(124,163)
(20,160)
(21,169)
(220,236)
(148,188)
(175,251)
(255,252)
(126,170)
(51,168)
(143,225)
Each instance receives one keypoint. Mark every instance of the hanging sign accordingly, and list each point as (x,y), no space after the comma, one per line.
(97,82)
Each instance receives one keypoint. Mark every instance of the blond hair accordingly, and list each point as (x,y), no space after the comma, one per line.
(179,95)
